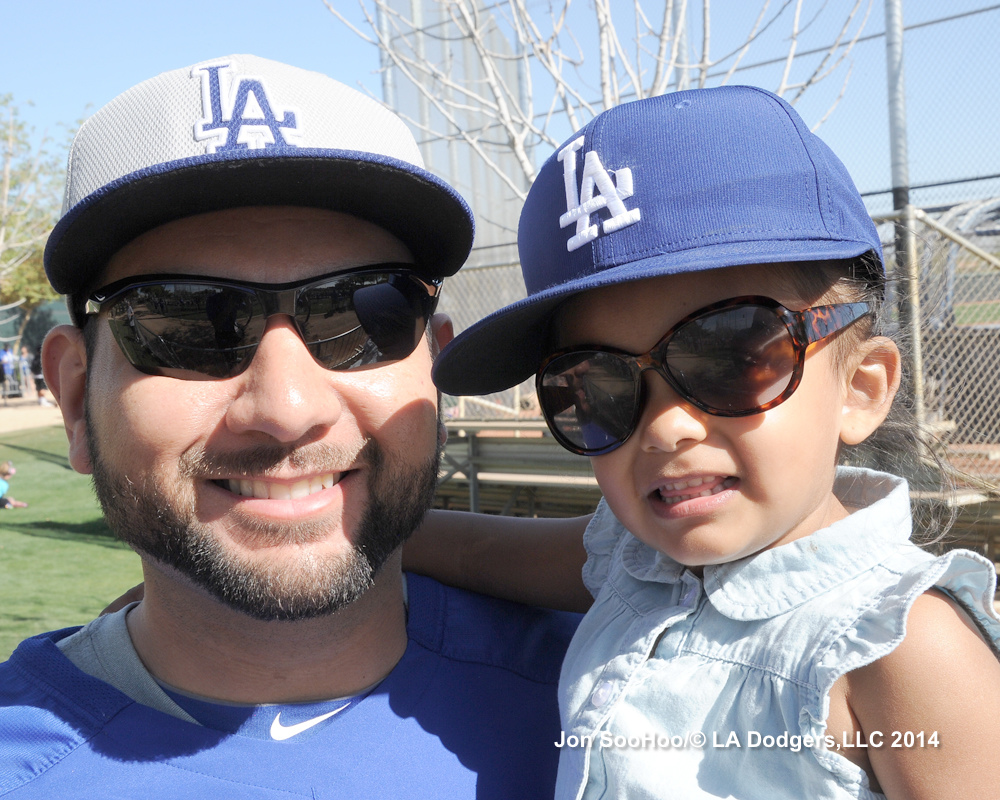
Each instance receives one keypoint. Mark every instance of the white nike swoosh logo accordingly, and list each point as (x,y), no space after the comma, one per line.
(281,732)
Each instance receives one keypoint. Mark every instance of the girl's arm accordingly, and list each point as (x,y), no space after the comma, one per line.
(532,561)
(944,679)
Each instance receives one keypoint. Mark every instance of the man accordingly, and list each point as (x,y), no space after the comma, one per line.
(252,255)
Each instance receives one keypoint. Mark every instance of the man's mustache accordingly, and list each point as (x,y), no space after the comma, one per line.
(264,459)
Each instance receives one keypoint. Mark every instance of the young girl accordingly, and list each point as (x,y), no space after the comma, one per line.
(704,316)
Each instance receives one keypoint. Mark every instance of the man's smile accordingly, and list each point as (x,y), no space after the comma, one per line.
(274,490)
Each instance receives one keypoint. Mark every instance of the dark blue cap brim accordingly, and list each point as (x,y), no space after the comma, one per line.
(507,347)
(424,212)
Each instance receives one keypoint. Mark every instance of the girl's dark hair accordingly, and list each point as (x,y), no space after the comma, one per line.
(900,445)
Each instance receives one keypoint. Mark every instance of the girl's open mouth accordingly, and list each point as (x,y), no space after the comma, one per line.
(673,493)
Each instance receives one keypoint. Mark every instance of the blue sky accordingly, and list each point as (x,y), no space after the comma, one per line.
(63,55)
(67,55)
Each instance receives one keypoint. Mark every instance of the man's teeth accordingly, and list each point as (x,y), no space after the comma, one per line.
(264,490)
(693,484)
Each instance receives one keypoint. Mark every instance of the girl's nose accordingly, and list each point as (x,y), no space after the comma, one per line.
(668,421)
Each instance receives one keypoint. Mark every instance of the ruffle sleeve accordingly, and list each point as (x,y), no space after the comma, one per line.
(603,535)
(880,628)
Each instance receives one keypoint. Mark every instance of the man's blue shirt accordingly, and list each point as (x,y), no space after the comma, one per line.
(469,712)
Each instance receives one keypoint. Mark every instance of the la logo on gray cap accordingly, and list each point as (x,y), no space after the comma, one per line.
(243,116)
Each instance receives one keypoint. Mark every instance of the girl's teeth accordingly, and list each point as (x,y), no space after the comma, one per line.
(680,486)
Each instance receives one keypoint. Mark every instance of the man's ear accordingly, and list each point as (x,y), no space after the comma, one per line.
(64,364)
(442,332)
(873,381)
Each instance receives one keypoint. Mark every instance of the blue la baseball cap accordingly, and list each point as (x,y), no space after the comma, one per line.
(684,182)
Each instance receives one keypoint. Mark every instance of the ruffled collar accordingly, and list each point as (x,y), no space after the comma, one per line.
(777,580)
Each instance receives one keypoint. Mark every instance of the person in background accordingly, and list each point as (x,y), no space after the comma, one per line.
(24,369)
(7,370)
(36,371)
(7,471)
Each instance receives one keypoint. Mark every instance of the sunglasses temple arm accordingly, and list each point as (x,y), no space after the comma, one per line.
(824,321)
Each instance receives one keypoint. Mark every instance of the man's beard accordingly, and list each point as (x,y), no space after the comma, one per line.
(166,529)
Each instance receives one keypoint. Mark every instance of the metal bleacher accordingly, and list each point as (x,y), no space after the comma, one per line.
(515,468)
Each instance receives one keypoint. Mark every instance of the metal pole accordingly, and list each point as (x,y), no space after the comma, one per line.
(897,103)
(419,47)
(473,474)
(907,271)
(944,230)
(912,302)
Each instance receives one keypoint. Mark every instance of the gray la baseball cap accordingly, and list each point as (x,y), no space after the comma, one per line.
(245,131)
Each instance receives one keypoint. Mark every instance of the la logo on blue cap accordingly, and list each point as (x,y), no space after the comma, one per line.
(243,118)
(609,195)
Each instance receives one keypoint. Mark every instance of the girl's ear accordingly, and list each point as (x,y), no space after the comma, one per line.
(872,383)
(64,364)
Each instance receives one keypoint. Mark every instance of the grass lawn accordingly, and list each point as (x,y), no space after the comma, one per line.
(977,313)
(59,564)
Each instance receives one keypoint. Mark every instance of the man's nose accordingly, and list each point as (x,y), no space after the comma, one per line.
(285,394)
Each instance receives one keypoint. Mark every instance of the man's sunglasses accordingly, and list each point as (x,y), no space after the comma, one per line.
(194,328)
(731,359)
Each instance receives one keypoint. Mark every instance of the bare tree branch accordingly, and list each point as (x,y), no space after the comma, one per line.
(503,77)
(706,31)
(790,58)
(836,102)
(750,39)
(347,23)
(820,72)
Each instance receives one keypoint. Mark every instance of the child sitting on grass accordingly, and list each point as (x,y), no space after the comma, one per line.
(7,472)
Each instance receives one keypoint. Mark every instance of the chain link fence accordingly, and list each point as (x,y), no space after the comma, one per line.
(956,365)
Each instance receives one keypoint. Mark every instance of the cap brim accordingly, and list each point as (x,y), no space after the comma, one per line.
(424,212)
(508,346)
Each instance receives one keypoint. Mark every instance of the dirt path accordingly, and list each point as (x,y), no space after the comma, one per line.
(21,413)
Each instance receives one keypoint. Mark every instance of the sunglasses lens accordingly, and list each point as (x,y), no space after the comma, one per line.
(207,331)
(187,330)
(590,399)
(362,320)
(732,361)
